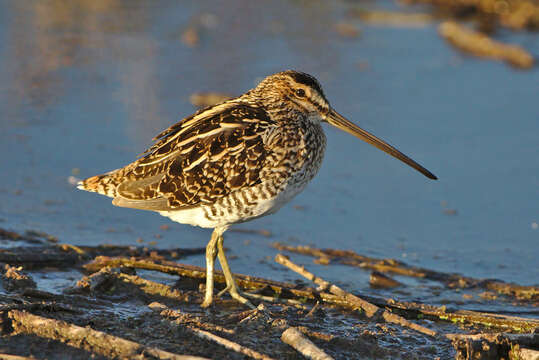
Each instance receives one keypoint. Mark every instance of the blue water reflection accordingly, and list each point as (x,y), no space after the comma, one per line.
(87,85)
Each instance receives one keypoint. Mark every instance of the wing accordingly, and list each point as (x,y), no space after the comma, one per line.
(200,159)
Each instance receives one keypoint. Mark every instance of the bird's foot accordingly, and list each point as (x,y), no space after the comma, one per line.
(208,299)
(236,295)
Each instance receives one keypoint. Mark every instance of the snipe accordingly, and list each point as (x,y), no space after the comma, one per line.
(235,161)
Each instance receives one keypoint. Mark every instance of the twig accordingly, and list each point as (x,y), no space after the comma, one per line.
(71,299)
(17,304)
(479,44)
(379,280)
(32,237)
(495,345)
(66,255)
(351,258)
(151,287)
(275,300)
(15,357)
(370,309)
(197,272)
(203,334)
(313,311)
(184,318)
(32,257)
(14,279)
(516,14)
(498,321)
(398,19)
(287,290)
(521,339)
(86,338)
(107,278)
(228,344)
(520,353)
(295,338)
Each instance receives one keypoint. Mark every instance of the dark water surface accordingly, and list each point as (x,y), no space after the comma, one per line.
(85,85)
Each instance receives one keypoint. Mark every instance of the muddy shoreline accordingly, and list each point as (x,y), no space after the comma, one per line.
(120,307)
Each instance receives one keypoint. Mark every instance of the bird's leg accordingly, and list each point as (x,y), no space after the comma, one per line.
(230,282)
(211,252)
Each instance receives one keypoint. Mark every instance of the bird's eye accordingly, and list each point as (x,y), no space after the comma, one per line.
(300,93)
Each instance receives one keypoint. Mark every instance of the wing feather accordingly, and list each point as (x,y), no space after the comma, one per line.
(159,204)
(200,159)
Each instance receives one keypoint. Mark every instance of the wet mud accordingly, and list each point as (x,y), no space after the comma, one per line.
(132,302)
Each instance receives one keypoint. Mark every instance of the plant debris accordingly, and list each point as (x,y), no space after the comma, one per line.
(453,281)
(479,44)
(391,18)
(514,14)
(117,309)
(487,16)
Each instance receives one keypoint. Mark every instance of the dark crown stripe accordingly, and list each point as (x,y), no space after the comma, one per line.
(306,79)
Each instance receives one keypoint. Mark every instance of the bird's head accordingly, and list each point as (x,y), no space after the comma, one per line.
(294,91)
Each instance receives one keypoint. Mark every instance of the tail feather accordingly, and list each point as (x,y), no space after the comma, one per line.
(104,184)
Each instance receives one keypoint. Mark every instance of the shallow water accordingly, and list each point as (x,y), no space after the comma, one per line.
(86,85)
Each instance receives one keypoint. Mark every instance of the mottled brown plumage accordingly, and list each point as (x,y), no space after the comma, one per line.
(234,161)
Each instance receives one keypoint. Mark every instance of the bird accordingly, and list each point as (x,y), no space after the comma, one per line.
(234,162)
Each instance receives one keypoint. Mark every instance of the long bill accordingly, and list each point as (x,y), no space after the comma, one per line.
(337,120)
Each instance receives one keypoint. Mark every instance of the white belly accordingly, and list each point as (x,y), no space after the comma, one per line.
(228,211)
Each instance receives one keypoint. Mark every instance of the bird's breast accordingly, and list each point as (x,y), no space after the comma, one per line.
(294,154)
(300,150)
